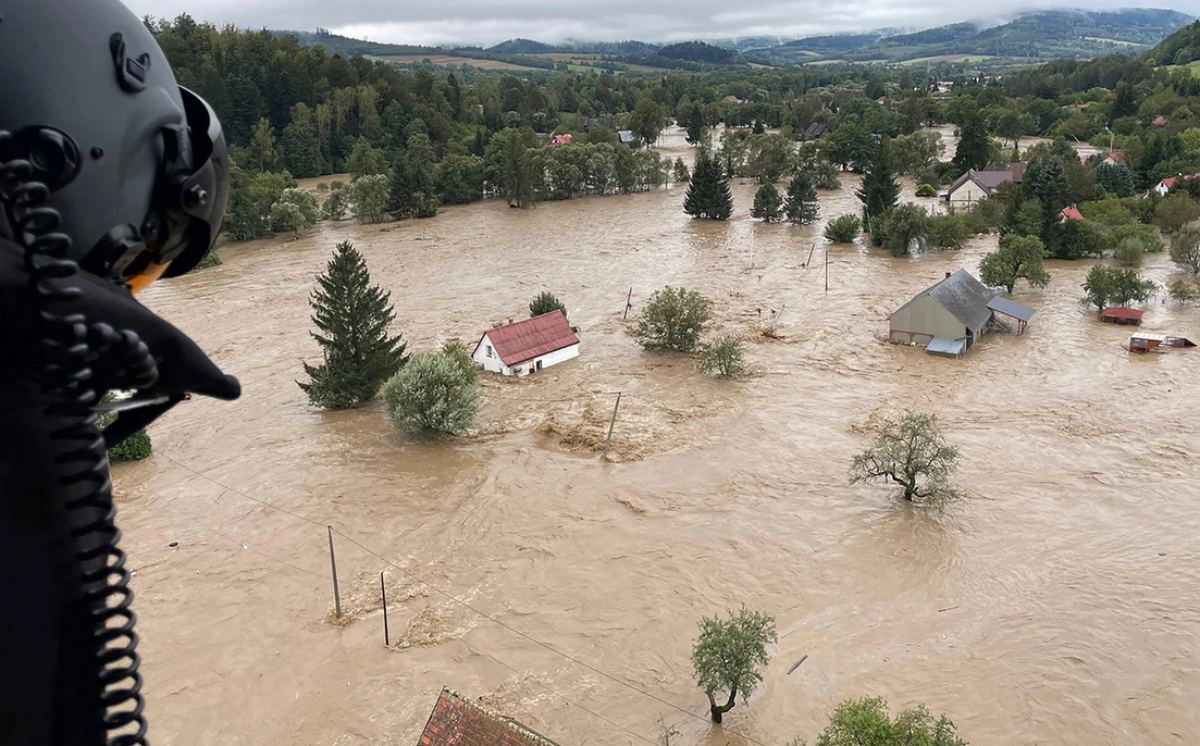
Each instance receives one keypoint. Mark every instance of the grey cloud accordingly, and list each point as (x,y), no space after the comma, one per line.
(491,21)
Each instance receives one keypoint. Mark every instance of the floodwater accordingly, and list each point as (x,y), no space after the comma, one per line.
(1059,604)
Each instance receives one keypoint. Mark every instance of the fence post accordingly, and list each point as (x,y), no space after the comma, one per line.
(826,270)
(628,304)
(337,596)
(383,591)
(611,423)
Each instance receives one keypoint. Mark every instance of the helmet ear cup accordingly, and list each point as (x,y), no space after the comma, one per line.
(51,153)
(203,193)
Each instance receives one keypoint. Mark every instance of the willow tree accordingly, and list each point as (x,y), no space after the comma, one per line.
(912,453)
(728,654)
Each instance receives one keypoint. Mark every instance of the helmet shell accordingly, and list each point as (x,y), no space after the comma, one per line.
(87,94)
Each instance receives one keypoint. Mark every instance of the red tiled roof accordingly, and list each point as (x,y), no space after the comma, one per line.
(563,139)
(1116,156)
(1168,182)
(529,338)
(459,722)
(1122,312)
(1071,212)
(1160,121)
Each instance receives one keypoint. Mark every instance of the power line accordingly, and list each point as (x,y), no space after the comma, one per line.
(450,596)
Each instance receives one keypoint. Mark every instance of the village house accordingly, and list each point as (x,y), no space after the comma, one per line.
(947,317)
(1070,212)
(527,346)
(814,131)
(627,137)
(563,139)
(1161,121)
(974,186)
(1167,184)
(1114,158)
(456,721)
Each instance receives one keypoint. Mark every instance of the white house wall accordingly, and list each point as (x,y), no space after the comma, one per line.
(496,365)
(967,192)
(493,363)
(549,359)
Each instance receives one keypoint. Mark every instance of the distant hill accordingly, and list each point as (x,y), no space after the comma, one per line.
(522,46)
(346,46)
(1180,48)
(698,51)
(1048,34)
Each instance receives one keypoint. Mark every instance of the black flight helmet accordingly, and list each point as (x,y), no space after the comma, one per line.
(137,166)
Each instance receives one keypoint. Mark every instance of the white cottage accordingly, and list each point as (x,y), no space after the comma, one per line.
(527,346)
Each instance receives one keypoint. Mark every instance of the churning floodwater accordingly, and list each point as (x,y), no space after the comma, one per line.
(1058,604)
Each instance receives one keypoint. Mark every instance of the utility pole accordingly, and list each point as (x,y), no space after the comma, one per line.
(383,592)
(612,423)
(628,305)
(337,596)
(827,271)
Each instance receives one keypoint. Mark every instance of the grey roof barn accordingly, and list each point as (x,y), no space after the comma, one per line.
(949,316)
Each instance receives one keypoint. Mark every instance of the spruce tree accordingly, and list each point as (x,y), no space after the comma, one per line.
(879,191)
(801,204)
(974,147)
(768,206)
(352,317)
(708,194)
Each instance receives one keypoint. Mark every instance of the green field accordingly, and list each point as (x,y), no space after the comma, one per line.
(949,58)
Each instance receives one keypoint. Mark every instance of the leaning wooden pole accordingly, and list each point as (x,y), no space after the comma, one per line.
(611,423)
(337,595)
(628,305)
(383,592)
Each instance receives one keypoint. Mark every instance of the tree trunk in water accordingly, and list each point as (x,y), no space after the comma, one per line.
(719,710)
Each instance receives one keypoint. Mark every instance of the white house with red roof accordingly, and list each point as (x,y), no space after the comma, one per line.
(527,346)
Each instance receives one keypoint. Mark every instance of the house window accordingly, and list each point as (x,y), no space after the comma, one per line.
(489,351)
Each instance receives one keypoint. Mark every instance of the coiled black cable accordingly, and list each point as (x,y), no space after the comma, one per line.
(66,344)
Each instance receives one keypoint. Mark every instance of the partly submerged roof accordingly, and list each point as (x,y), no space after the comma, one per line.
(965,297)
(524,340)
(460,722)
(1010,308)
(1123,312)
(949,347)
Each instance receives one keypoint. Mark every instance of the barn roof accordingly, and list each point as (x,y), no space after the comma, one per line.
(1122,312)
(460,722)
(965,297)
(525,340)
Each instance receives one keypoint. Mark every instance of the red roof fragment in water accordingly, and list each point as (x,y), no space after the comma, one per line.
(527,339)
(459,722)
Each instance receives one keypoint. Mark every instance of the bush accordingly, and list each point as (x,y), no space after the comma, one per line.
(1105,286)
(134,448)
(1174,211)
(825,175)
(843,229)
(927,190)
(369,194)
(1185,248)
(857,722)
(337,204)
(545,302)
(901,228)
(435,393)
(211,259)
(1184,291)
(1111,211)
(673,319)
(950,231)
(294,212)
(724,357)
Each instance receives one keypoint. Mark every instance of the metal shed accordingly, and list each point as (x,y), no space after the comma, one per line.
(1012,309)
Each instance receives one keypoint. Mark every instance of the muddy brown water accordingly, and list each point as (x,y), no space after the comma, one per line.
(1058,605)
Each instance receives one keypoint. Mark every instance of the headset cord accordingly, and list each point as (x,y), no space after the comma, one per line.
(67,342)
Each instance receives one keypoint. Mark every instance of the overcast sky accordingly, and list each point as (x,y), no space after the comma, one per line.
(486,22)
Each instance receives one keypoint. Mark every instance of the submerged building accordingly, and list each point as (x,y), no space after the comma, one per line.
(946,318)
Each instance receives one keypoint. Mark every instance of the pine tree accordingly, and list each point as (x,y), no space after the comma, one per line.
(801,204)
(974,147)
(260,152)
(352,317)
(695,124)
(879,191)
(767,204)
(302,144)
(708,194)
